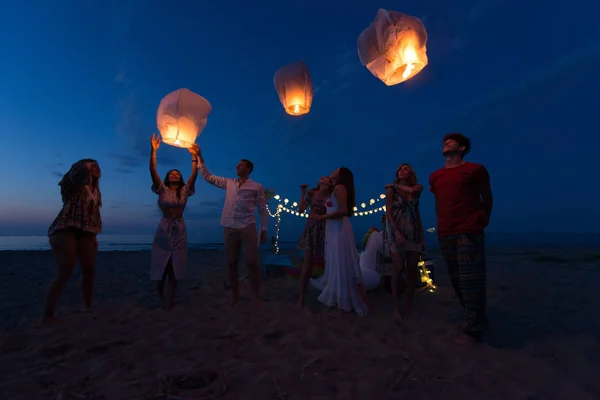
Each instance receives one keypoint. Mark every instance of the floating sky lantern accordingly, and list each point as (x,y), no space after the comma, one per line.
(181,117)
(393,47)
(294,87)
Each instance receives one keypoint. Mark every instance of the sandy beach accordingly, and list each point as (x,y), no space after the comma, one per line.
(543,344)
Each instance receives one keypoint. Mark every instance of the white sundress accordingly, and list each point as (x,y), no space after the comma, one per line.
(170,239)
(342,282)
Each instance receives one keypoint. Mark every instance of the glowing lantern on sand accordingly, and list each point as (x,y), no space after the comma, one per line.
(393,47)
(181,117)
(294,86)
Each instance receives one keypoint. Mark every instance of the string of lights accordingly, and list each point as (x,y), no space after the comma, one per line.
(358,211)
(424,271)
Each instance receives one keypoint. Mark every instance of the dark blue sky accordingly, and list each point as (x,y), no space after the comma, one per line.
(83,79)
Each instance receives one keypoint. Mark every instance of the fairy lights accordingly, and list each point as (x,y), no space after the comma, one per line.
(425,273)
(365,208)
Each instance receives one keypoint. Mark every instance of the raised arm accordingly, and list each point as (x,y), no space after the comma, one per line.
(155,143)
(191,183)
(261,204)
(304,198)
(217,181)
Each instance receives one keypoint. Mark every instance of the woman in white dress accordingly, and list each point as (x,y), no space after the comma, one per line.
(169,248)
(342,281)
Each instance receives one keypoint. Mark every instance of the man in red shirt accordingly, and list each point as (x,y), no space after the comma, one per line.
(463,204)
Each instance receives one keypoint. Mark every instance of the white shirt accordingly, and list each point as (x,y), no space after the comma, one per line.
(240,200)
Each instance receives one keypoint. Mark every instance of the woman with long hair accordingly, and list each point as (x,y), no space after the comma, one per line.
(169,248)
(72,234)
(312,241)
(406,233)
(342,281)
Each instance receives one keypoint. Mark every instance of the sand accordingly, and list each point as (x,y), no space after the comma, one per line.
(544,341)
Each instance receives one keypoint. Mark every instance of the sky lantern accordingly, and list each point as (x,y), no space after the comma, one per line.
(393,47)
(294,87)
(181,117)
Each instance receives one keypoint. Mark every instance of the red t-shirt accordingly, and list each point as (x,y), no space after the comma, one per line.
(458,202)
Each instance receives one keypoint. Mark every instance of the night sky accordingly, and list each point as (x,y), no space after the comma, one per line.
(84,78)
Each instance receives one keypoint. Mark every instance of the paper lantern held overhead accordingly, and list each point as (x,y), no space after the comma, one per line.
(393,47)
(181,117)
(294,87)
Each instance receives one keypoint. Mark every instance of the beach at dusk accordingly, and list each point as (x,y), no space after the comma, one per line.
(299,201)
(543,342)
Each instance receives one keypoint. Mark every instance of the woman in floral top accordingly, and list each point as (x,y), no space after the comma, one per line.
(407,236)
(72,235)
(312,241)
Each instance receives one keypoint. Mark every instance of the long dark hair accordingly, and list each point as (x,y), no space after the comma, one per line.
(346,178)
(167,184)
(68,189)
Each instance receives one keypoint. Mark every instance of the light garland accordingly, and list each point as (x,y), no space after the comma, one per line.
(283,206)
(426,276)
(283,202)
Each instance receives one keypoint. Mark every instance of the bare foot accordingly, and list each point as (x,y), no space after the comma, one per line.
(50,321)
(233,302)
(397,317)
(300,304)
(257,303)
(468,338)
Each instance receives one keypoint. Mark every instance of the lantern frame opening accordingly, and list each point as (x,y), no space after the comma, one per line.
(181,117)
(393,47)
(293,84)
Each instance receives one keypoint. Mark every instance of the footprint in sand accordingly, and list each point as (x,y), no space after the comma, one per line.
(53,351)
(104,348)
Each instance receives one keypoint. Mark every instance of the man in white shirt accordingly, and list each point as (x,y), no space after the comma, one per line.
(242,197)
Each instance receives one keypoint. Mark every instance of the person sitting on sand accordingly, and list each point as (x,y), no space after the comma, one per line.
(342,281)
(169,248)
(406,233)
(463,205)
(312,241)
(72,234)
(242,197)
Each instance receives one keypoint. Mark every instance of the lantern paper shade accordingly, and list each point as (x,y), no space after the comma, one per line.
(294,87)
(181,117)
(393,47)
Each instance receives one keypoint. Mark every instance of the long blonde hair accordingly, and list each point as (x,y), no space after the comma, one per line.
(412,177)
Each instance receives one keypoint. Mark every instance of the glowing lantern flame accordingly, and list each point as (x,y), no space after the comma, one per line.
(294,87)
(181,117)
(393,47)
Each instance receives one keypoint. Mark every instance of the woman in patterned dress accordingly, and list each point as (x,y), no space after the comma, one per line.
(72,234)
(312,241)
(406,233)
(169,248)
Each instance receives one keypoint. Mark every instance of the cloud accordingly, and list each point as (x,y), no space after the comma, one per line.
(343,75)
(122,170)
(135,107)
(58,168)
(481,9)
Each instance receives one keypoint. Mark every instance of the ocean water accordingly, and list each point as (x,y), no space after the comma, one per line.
(144,242)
